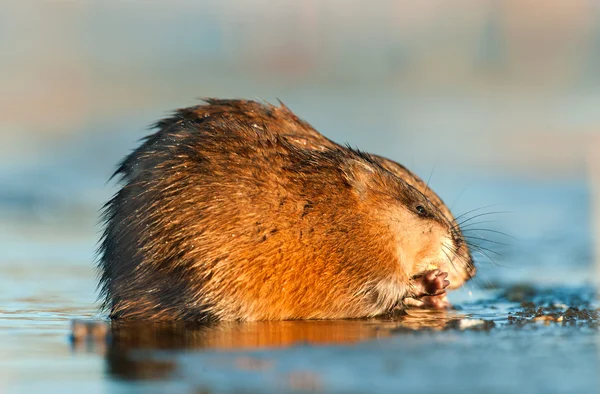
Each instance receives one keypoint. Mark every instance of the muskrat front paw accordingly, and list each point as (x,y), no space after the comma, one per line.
(430,283)
(429,302)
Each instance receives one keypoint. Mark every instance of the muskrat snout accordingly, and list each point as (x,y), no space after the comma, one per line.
(460,268)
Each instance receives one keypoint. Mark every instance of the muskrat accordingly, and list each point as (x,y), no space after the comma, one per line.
(238,210)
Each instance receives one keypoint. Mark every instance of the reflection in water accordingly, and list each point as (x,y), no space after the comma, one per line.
(269,334)
(132,350)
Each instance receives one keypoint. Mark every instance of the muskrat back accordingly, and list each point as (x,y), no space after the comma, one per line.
(223,214)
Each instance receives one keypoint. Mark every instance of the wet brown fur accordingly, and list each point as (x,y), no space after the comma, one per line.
(236,210)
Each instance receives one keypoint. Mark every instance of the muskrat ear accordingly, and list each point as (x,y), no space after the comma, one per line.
(360,175)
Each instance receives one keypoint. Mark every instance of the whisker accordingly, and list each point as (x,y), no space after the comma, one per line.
(490,285)
(428,179)
(483,248)
(479,215)
(491,231)
(494,262)
(486,283)
(482,253)
(454,250)
(449,260)
(474,210)
(477,223)
(482,239)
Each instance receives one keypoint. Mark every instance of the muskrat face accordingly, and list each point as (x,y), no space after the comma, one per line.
(461,264)
(426,241)
(425,238)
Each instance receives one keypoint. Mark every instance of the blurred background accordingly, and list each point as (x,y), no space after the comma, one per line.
(497,102)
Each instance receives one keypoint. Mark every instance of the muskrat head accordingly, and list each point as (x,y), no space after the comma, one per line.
(425,240)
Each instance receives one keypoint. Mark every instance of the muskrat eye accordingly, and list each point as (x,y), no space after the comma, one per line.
(420,209)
